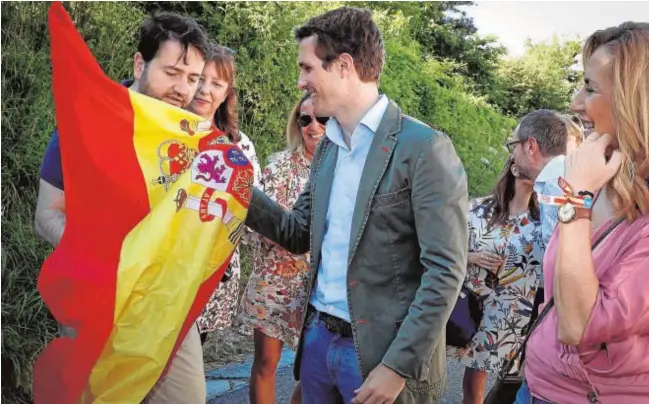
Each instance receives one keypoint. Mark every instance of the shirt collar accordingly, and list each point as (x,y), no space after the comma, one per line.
(555,168)
(371,120)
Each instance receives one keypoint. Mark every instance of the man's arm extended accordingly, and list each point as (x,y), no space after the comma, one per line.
(290,229)
(49,219)
(440,205)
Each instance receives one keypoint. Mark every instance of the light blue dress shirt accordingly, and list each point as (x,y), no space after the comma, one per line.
(330,292)
(547,183)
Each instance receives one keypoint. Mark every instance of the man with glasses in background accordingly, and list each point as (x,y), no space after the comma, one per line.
(539,147)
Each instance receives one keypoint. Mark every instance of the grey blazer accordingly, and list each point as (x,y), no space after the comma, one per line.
(408,249)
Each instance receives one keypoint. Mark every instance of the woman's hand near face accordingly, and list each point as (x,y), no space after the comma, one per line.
(587,168)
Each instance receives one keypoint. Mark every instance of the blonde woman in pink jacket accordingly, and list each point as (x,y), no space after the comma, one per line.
(593,345)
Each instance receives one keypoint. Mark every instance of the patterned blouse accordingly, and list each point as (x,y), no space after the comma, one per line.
(275,297)
(221,309)
(508,295)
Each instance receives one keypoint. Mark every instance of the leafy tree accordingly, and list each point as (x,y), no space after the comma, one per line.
(543,77)
(444,31)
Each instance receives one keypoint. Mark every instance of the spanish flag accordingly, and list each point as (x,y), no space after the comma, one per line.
(155,205)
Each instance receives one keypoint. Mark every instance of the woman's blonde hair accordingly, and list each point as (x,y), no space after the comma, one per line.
(628,45)
(294,139)
(575,128)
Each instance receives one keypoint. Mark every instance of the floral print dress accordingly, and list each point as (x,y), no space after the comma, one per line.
(508,296)
(221,309)
(275,297)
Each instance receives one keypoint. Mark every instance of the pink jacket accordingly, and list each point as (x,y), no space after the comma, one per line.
(614,351)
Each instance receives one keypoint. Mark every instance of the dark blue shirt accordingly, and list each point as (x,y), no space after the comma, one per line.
(51,171)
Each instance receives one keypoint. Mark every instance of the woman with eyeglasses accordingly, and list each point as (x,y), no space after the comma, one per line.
(216,100)
(275,297)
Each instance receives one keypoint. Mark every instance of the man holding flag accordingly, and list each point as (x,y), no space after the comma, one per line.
(142,251)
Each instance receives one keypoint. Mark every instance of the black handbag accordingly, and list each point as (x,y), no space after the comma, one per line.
(507,385)
(465,319)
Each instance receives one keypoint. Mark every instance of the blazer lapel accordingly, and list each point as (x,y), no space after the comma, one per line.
(377,161)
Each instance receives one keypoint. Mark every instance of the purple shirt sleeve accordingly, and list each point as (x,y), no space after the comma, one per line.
(51,171)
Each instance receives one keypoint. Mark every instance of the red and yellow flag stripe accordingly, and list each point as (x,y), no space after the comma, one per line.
(155,204)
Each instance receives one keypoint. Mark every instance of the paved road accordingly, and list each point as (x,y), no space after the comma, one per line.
(285,386)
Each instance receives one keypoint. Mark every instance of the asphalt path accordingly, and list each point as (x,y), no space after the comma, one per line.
(285,385)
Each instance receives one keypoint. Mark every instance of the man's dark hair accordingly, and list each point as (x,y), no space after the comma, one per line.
(549,128)
(347,30)
(167,26)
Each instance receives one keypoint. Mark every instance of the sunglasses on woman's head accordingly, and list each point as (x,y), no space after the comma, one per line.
(305,120)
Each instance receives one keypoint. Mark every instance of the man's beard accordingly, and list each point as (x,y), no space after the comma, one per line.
(524,173)
(147,90)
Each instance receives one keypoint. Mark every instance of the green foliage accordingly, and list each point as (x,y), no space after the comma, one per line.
(444,31)
(26,116)
(421,77)
(543,77)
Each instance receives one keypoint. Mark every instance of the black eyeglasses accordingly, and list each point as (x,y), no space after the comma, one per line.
(510,145)
(305,120)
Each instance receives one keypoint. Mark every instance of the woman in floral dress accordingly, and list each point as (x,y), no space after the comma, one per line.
(216,100)
(504,270)
(275,297)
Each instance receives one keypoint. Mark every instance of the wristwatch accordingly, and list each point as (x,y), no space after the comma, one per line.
(569,212)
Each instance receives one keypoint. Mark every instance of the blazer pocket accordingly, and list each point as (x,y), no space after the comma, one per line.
(431,389)
(391,198)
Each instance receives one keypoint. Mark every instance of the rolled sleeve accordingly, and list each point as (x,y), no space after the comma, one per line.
(549,213)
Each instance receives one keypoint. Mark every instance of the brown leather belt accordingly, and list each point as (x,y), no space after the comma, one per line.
(333,324)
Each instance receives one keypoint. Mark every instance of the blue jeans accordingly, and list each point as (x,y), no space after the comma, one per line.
(524,396)
(329,371)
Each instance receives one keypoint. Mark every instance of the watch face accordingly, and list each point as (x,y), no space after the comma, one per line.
(566,212)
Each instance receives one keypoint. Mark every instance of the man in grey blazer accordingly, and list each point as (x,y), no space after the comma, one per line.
(385,218)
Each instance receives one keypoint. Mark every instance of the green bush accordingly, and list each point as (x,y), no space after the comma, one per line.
(262,34)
